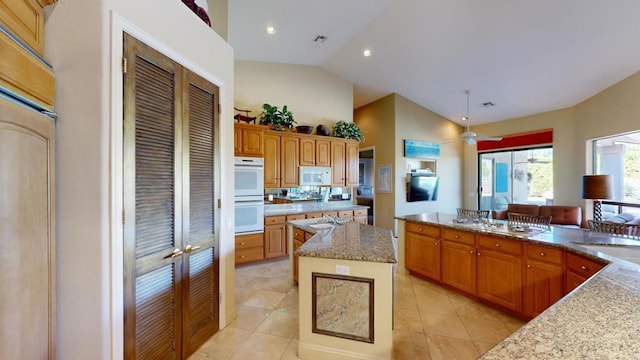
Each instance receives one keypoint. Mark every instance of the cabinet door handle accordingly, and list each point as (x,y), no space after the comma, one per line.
(478,253)
(189,248)
(457,237)
(419,229)
(528,265)
(176,252)
(436,243)
(242,243)
(541,254)
(497,245)
(471,252)
(584,267)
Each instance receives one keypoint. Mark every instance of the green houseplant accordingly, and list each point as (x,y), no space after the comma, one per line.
(348,130)
(276,118)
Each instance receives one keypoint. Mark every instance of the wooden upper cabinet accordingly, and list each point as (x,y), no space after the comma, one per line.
(271,160)
(289,147)
(307,152)
(351,163)
(338,157)
(323,152)
(25,19)
(24,74)
(248,140)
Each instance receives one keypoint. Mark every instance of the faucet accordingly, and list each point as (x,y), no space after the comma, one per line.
(325,198)
(330,219)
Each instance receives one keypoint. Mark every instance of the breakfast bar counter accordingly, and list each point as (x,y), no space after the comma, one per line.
(598,320)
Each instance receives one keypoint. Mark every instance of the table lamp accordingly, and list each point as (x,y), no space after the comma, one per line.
(597,187)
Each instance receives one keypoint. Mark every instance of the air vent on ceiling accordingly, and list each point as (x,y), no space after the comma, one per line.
(320,38)
(488,104)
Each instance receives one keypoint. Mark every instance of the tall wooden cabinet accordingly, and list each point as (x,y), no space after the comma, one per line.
(170,243)
(27,236)
(27,185)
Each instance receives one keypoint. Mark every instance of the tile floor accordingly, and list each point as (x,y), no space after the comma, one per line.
(430,322)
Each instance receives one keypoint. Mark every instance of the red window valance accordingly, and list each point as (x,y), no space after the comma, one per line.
(539,137)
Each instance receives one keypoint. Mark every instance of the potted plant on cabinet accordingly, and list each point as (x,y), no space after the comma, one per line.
(348,130)
(277,119)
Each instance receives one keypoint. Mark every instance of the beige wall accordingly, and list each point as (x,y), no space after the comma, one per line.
(613,111)
(314,95)
(219,14)
(415,122)
(84,45)
(376,120)
(386,123)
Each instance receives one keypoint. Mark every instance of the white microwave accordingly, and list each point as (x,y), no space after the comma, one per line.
(315,175)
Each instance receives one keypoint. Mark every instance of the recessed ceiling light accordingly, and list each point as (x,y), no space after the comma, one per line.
(271,30)
(464,118)
(366,53)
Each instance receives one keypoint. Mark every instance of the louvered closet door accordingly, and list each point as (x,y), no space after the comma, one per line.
(153,205)
(200,297)
(171,264)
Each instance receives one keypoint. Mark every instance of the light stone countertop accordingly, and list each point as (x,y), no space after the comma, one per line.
(349,241)
(304,208)
(598,320)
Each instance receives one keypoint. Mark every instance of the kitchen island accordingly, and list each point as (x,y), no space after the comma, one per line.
(598,320)
(345,278)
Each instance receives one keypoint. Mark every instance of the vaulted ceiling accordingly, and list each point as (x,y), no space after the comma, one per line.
(524,56)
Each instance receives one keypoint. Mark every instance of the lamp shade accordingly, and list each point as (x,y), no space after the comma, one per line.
(597,187)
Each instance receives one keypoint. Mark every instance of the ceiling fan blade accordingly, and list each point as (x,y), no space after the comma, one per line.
(487,138)
(445,141)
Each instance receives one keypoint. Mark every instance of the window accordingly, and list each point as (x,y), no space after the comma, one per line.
(522,176)
(619,156)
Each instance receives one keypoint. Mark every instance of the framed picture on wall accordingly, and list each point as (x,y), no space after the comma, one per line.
(384,179)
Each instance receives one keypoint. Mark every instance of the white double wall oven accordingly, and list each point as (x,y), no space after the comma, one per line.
(249,195)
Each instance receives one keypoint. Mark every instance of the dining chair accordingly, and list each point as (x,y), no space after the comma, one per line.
(515,219)
(606,227)
(473,214)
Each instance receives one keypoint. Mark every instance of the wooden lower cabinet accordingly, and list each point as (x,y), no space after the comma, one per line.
(542,287)
(459,266)
(499,271)
(249,248)
(522,277)
(360,216)
(578,271)
(423,255)
(275,241)
(500,279)
(543,278)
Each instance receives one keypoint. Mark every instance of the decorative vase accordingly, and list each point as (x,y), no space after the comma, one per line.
(322,130)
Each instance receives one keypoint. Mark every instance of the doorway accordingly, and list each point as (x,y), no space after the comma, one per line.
(365,192)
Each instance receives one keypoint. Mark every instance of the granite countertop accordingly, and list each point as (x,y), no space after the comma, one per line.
(303,208)
(598,320)
(349,241)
